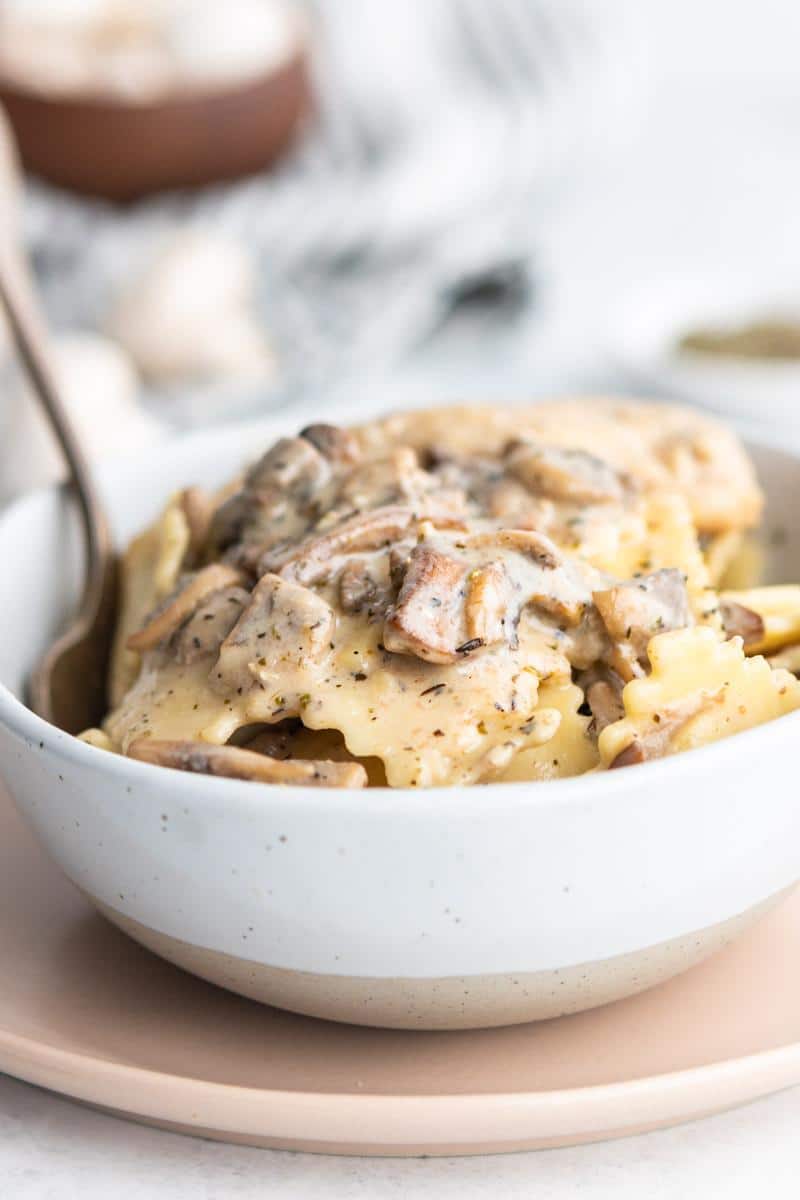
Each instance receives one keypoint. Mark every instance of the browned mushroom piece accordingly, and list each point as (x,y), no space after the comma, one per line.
(574,476)
(635,611)
(470,471)
(657,741)
(587,642)
(513,504)
(379,482)
(428,619)
(743,622)
(545,578)
(198,509)
(487,488)
(633,753)
(292,465)
(528,542)
(310,560)
(281,495)
(399,479)
(228,522)
(339,446)
(602,688)
(487,607)
(566,610)
(395,479)
(210,623)
(605,702)
(283,625)
(452,602)
(181,604)
(276,741)
(232,762)
(399,556)
(366,587)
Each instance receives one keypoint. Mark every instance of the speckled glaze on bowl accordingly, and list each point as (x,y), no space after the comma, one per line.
(450,908)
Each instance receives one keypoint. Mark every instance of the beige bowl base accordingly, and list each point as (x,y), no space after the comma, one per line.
(86,1011)
(447,1002)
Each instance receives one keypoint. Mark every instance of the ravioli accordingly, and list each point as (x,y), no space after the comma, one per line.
(150,570)
(450,597)
(700,689)
(777,610)
(570,751)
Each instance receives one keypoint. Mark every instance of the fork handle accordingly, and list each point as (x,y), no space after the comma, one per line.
(30,335)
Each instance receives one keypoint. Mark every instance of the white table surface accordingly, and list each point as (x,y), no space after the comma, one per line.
(715,181)
(51,1149)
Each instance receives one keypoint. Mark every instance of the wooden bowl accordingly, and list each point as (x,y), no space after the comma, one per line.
(122,150)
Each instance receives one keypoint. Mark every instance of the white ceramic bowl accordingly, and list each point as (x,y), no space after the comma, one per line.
(447,908)
(644,332)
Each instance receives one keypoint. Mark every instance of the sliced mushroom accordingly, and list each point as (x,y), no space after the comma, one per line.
(602,688)
(396,479)
(338,445)
(633,753)
(586,643)
(489,490)
(177,607)
(513,504)
(567,475)
(399,479)
(605,702)
(282,493)
(428,619)
(635,611)
(399,556)
(283,625)
(365,587)
(229,522)
(292,465)
(529,542)
(487,604)
(235,763)
(566,610)
(198,509)
(276,741)
(739,621)
(551,582)
(656,741)
(310,560)
(210,623)
(471,472)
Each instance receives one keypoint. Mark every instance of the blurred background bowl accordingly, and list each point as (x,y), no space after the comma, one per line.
(646,333)
(185,138)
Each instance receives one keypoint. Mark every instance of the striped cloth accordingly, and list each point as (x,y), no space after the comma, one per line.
(444,127)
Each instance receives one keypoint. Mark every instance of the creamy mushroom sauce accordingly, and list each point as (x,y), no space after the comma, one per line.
(454,596)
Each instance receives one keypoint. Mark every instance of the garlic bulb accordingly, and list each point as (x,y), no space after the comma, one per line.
(100,390)
(190,316)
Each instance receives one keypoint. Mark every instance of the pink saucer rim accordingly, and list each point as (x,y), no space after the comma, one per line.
(417,1123)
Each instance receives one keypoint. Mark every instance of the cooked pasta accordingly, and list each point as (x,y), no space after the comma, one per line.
(453,596)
